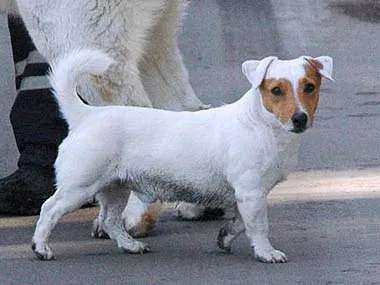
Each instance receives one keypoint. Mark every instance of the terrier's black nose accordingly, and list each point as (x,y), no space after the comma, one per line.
(299,120)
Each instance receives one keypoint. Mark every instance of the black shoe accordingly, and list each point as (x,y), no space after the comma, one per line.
(24,191)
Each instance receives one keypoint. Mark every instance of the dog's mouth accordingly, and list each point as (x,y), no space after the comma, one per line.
(298,130)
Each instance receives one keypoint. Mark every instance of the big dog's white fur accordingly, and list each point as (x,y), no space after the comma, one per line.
(140,35)
(235,153)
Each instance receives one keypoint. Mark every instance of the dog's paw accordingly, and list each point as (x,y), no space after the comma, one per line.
(140,230)
(97,231)
(189,211)
(225,238)
(136,247)
(43,252)
(270,255)
(205,107)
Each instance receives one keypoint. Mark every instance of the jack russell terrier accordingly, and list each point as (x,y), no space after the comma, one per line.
(221,157)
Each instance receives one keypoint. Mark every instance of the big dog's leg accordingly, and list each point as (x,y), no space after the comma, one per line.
(164,74)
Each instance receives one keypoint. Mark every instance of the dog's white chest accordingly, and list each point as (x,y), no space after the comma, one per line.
(284,161)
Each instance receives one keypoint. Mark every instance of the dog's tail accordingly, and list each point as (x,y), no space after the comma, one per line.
(64,76)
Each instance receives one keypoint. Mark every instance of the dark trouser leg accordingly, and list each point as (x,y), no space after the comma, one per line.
(37,126)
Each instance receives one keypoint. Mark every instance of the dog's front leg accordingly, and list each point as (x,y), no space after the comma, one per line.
(252,206)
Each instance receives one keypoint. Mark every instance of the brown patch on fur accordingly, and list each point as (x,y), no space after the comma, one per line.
(310,101)
(104,87)
(284,106)
(148,220)
(315,63)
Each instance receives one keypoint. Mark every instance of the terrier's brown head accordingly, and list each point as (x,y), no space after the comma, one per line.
(289,88)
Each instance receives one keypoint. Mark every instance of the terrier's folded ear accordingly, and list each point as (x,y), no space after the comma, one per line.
(255,70)
(323,64)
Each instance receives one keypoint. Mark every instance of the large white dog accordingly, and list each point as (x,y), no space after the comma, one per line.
(141,37)
(235,153)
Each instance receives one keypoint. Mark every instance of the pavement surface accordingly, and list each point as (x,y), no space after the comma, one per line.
(325,217)
(327,228)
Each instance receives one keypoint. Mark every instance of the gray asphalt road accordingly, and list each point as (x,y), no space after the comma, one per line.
(325,246)
(328,242)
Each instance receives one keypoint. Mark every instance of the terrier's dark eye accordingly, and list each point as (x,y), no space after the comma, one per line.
(309,88)
(276,91)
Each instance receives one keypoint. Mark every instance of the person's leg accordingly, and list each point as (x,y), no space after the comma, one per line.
(38,129)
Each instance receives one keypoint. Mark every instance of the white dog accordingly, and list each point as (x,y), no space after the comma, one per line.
(149,71)
(216,157)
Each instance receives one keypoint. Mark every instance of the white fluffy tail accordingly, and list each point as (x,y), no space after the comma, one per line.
(64,76)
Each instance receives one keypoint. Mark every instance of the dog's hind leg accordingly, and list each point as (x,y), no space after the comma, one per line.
(58,205)
(138,218)
(113,200)
(139,225)
(97,225)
